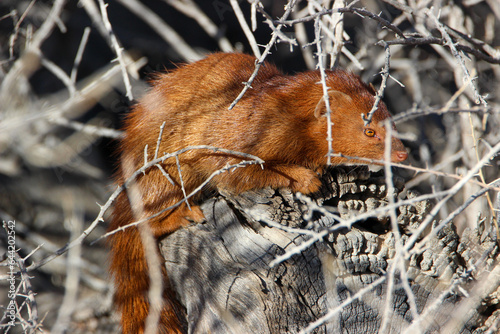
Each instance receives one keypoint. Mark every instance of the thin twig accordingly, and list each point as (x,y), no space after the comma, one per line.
(13,37)
(243,24)
(87,128)
(380,93)
(164,172)
(162,29)
(414,113)
(348,9)
(73,266)
(411,244)
(158,142)
(326,97)
(458,57)
(60,74)
(117,48)
(342,223)
(79,54)
(288,9)
(104,208)
(192,10)
(26,64)
(151,254)
(225,169)
(30,302)
(440,41)
(179,170)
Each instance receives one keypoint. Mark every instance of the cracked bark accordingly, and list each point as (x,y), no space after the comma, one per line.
(222,275)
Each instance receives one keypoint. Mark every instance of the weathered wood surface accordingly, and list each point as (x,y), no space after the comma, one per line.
(222,269)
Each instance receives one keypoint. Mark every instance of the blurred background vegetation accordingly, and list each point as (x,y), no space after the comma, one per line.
(69,71)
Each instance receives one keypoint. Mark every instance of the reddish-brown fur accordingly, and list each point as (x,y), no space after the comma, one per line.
(280,119)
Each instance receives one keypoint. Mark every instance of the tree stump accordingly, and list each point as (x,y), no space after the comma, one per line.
(225,274)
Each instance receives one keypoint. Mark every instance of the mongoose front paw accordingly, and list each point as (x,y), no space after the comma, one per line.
(308,183)
(195,215)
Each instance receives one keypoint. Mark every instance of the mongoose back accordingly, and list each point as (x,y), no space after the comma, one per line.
(281,120)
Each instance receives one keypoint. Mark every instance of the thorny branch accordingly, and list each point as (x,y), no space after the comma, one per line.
(354,10)
(460,60)
(411,40)
(317,32)
(380,93)
(152,163)
(288,9)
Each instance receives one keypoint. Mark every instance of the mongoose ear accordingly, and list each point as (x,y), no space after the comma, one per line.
(337,100)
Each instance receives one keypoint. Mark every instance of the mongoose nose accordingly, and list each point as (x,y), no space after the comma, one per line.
(401,156)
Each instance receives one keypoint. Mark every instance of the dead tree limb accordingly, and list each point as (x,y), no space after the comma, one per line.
(222,269)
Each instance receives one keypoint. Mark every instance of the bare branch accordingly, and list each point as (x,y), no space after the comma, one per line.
(246,29)
(288,9)
(192,10)
(383,85)
(348,9)
(162,29)
(451,45)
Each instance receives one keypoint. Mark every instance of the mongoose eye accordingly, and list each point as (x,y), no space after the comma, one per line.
(369,132)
